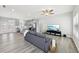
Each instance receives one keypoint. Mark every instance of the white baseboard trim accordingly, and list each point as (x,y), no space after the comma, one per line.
(76,41)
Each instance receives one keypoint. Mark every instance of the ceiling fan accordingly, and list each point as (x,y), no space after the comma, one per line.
(47,12)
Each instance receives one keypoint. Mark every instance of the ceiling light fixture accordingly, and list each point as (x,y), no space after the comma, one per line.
(13,10)
(47,12)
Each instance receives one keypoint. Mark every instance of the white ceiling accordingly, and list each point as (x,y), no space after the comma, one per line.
(35,10)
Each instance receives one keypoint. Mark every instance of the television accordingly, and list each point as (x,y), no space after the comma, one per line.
(53,27)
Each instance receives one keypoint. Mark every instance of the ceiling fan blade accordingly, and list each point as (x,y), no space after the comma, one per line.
(43,11)
(51,13)
(50,10)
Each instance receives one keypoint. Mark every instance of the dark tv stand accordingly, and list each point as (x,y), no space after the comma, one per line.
(56,33)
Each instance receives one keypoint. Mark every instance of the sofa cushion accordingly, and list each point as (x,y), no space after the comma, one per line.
(38,34)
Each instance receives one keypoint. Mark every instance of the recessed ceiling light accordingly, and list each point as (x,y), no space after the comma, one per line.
(13,10)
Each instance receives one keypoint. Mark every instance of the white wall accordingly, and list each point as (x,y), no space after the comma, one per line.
(64,20)
(75,31)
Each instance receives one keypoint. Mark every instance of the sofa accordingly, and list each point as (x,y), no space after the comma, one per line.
(39,40)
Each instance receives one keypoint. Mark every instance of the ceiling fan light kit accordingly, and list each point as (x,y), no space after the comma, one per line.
(47,12)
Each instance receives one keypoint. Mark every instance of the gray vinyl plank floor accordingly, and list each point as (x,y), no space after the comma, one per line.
(15,43)
(64,44)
